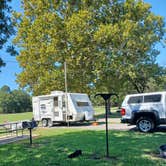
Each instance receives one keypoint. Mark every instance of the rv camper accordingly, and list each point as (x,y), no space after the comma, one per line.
(62,107)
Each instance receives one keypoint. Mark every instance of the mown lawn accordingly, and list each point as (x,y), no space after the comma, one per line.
(53,145)
(15,117)
(99,113)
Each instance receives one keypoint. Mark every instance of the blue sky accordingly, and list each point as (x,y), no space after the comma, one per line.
(8,74)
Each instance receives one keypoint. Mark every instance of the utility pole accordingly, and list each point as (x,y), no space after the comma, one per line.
(65,70)
(66,90)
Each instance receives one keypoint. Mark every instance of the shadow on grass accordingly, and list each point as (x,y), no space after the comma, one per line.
(77,124)
(127,148)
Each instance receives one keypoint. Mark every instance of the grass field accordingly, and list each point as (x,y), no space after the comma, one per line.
(52,146)
(99,113)
(15,117)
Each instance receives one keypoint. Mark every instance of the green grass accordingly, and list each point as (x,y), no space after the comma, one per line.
(54,145)
(100,112)
(15,117)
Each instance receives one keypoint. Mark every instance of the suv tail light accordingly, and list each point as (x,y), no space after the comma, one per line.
(123,111)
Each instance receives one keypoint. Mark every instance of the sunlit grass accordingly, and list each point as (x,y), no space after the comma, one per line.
(15,117)
(99,113)
(53,145)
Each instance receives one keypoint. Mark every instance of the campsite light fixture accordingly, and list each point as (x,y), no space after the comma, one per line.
(106,97)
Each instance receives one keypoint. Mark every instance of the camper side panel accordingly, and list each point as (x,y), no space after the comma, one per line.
(46,108)
(83,106)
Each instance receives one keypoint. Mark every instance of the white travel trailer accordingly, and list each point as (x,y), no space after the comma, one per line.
(53,108)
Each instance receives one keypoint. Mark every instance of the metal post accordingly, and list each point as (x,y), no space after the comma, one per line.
(22,131)
(16,130)
(106,120)
(6,133)
(66,90)
(11,130)
(106,97)
(30,135)
(65,70)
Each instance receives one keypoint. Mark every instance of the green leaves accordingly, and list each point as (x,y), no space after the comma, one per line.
(105,44)
(6,27)
(14,101)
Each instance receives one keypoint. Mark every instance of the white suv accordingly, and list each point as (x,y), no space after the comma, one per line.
(146,110)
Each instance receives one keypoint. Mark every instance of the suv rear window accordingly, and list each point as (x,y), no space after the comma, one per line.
(152,98)
(135,100)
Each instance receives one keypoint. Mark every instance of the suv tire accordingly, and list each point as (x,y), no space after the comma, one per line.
(145,124)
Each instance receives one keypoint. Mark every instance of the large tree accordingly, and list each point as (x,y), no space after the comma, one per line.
(107,44)
(6,27)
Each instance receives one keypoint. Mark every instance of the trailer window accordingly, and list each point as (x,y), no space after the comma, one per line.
(56,101)
(42,106)
(63,101)
(152,98)
(82,104)
(135,100)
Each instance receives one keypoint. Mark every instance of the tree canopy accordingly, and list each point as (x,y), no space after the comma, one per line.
(108,45)
(15,101)
(6,27)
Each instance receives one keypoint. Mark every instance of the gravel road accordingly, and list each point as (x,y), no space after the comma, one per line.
(113,124)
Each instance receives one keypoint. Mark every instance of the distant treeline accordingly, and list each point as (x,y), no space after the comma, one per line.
(14,101)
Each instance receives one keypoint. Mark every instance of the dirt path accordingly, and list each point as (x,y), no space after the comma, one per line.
(113,124)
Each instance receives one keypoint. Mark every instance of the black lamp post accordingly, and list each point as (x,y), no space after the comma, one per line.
(106,97)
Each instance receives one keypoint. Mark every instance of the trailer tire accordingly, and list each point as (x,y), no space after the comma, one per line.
(50,123)
(44,122)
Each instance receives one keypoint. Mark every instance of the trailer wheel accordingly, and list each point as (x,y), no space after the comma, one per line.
(50,123)
(44,122)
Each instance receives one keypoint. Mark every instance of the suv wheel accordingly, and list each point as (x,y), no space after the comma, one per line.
(145,124)
(44,122)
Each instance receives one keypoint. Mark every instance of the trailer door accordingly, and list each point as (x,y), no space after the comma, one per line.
(58,112)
